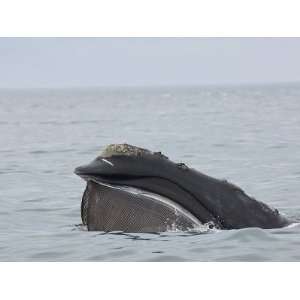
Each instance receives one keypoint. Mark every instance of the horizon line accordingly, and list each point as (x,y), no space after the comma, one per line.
(153,86)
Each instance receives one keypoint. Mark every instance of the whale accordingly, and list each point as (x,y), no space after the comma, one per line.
(132,189)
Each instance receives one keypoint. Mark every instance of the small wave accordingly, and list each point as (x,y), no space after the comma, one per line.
(80,227)
(38,152)
(168,258)
(199,228)
(51,151)
(249,234)
(41,209)
(49,255)
(296,224)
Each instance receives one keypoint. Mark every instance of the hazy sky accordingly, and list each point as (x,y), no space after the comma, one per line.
(59,62)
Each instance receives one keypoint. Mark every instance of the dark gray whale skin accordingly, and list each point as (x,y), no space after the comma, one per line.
(207,198)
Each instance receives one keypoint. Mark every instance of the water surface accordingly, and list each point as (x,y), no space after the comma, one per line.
(248,135)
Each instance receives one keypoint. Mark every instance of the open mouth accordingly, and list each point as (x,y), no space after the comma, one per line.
(108,207)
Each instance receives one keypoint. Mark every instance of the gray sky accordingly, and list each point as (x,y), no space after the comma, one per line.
(60,62)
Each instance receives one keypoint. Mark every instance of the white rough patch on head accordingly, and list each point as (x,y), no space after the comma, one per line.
(123,149)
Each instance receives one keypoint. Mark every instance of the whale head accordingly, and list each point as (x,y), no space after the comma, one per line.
(122,161)
(124,192)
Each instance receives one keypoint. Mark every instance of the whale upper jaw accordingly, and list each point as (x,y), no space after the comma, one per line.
(89,169)
(111,152)
(123,160)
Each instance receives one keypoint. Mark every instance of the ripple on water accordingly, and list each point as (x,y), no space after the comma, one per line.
(41,209)
(113,256)
(220,248)
(49,255)
(251,257)
(166,258)
(38,199)
(250,234)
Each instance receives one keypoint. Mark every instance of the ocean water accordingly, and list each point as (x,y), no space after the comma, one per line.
(248,135)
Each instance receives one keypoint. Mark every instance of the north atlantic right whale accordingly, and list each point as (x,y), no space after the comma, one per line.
(132,189)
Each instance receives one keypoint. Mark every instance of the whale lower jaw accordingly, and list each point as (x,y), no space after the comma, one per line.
(107,207)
